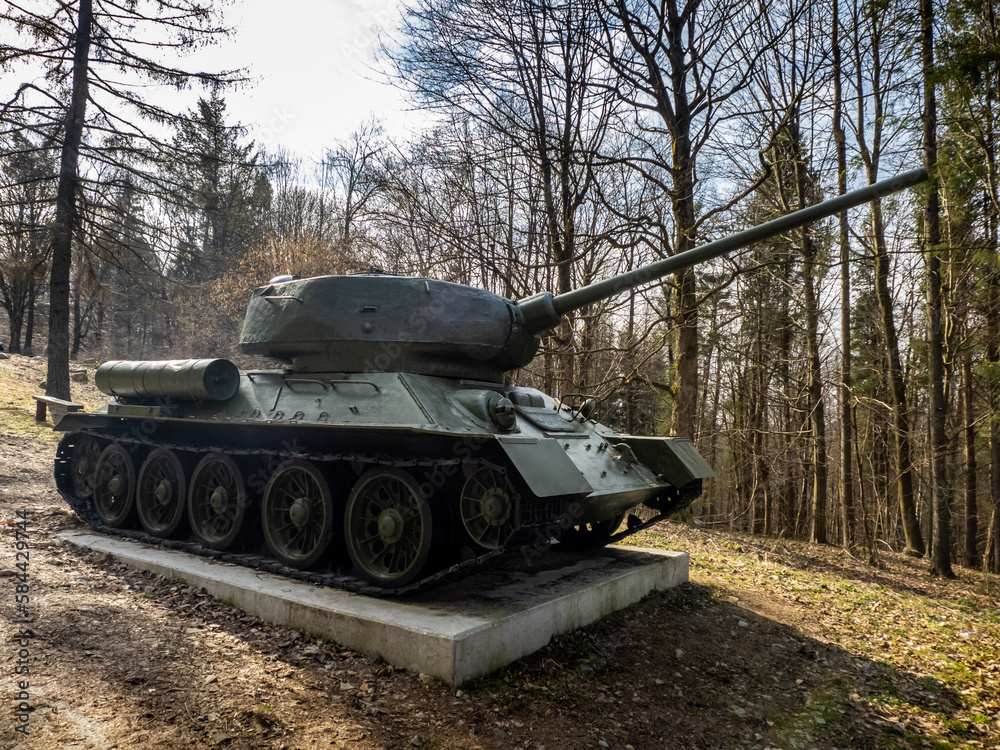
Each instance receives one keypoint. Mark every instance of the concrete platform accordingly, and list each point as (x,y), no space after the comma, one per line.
(456,632)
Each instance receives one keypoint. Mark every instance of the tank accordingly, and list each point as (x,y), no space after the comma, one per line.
(386,453)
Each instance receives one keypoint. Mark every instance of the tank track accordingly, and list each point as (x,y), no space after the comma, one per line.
(529,540)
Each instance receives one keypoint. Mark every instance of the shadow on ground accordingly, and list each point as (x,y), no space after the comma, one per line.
(685,670)
(145,659)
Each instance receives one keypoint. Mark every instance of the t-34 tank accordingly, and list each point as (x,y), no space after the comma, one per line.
(388,452)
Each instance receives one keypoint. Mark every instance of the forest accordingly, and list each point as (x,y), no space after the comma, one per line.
(843,380)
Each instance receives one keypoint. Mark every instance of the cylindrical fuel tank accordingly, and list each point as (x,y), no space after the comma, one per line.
(177,379)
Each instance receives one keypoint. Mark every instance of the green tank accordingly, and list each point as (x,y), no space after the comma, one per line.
(387,453)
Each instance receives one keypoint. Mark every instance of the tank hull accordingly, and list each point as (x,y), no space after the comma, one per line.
(545,473)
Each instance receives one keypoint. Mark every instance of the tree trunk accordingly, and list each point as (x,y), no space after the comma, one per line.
(846,413)
(763,521)
(897,386)
(29,330)
(993,336)
(713,448)
(685,384)
(993,357)
(869,531)
(817,419)
(706,372)
(77,322)
(971,467)
(16,318)
(57,383)
(941,548)
(873,123)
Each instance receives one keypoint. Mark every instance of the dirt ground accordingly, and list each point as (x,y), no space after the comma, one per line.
(771,645)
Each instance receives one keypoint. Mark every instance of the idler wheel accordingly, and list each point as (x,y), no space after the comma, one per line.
(217,501)
(388,527)
(487,507)
(161,493)
(114,486)
(83,464)
(297,514)
(591,535)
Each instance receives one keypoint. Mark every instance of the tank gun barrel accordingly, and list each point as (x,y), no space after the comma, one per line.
(544,310)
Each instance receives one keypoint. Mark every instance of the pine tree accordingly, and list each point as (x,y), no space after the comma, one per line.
(220,192)
(99,58)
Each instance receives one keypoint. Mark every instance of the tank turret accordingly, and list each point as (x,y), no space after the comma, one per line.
(383,323)
(391,454)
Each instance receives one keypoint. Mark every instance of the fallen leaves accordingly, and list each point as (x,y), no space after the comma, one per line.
(773,644)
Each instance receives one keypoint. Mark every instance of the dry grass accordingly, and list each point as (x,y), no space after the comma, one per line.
(22,377)
(931,644)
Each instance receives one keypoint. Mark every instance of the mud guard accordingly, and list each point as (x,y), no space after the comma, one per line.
(674,458)
(544,466)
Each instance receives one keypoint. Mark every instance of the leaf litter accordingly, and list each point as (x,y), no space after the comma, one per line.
(772,644)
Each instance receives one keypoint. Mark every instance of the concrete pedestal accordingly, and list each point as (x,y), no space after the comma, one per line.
(456,632)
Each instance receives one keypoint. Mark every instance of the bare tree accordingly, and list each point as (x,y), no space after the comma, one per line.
(355,166)
(941,548)
(879,71)
(680,64)
(528,73)
(844,244)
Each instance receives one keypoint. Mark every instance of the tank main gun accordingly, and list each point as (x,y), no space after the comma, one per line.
(544,310)
(379,322)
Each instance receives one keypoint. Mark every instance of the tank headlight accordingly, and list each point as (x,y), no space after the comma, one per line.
(501,411)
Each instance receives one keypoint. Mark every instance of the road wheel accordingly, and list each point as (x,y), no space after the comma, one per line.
(217,501)
(297,514)
(114,486)
(161,493)
(388,527)
(487,507)
(83,465)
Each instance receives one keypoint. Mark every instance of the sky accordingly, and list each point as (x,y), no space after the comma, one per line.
(312,66)
(312,61)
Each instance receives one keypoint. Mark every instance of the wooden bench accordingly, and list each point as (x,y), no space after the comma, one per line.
(43,402)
